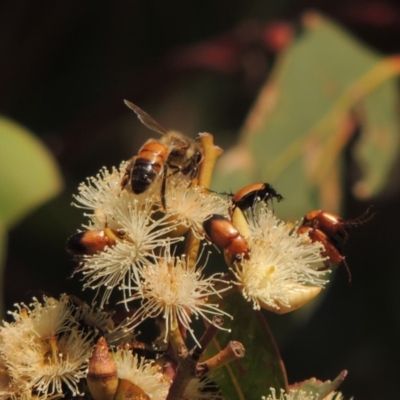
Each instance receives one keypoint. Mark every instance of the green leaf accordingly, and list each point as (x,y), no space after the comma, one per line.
(317,387)
(323,88)
(28,173)
(377,146)
(262,367)
(28,177)
(3,246)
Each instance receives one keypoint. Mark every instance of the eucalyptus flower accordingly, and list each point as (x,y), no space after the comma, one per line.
(282,272)
(192,204)
(143,373)
(43,348)
(176,290)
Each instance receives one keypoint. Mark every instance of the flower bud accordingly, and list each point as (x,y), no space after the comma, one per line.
(102,376)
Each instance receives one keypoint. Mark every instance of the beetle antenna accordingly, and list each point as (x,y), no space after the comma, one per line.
(366,216)
(348,269)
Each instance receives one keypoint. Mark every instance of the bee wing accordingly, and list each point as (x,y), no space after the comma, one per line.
(146,119)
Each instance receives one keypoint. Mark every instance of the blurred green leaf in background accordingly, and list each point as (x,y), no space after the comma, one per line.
(325,89)
(29,176)
(326,92)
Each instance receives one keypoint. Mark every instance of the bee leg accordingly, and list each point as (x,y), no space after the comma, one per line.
(126,179)
(164,189)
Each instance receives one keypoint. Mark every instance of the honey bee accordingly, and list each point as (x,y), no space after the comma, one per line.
(173,151)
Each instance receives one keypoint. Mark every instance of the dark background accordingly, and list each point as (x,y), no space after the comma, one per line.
(65,68)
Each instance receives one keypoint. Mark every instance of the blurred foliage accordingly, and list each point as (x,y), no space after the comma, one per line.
(28,173)
(325,89)
(28,177)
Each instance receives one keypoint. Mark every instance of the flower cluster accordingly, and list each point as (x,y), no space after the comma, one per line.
(48,345)
(151,226)
(141,261)
(44,349)
(149,241)
(282,272)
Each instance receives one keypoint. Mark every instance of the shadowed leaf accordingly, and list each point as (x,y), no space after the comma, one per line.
(262,367)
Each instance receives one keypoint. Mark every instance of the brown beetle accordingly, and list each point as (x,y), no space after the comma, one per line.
(92,241)
(331,250)
(331,224)
(331,231)
(223,234)
(249,195)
